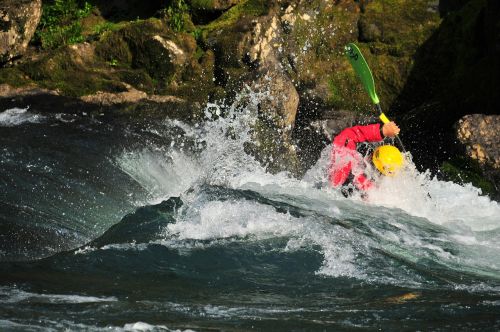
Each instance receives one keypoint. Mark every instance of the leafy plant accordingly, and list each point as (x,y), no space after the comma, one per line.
(113,63)
(103,27)
(176,13)
(60,23)
(197,34)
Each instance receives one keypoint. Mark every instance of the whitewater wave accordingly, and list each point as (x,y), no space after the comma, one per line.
(17,116)
(412,217)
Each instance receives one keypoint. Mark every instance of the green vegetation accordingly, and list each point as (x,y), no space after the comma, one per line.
(177,14)
(463,171)
(202,4)
(60,23)
(14,77)
(245,7)
(103,27)
(64,70)
(346,92)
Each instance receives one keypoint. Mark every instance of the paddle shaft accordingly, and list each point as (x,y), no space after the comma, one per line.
(385,120)
(360,66)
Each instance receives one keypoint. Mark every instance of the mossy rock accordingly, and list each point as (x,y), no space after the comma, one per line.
(398,29)
(212,5)
(62,70)
(113,47)
(462,171)
(401,25)
(196,84)
(313,51)
(244,9)
(142,45)
(459,65)
(14,77)
(401,28)
(138,78)
(271,146)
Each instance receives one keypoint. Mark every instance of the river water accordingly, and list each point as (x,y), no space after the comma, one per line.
(116,225)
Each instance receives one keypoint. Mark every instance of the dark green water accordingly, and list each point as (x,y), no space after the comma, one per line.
(117,226)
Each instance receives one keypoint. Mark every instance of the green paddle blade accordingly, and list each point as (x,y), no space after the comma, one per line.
(361,68)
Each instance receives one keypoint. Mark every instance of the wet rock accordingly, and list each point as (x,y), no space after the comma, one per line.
(480,135)
(18,22)
(130,102)
(284,98)
(7,91)
(279,108)
(130,96)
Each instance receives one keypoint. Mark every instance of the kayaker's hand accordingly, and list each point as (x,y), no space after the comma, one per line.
(390,129)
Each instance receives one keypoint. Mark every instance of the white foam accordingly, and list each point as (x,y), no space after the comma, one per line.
(145,327)
(65,325)
(14,295)
(459,211)
(16,116)
(246,219)
(448,204)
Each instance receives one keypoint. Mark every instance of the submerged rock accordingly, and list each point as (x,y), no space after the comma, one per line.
(18,22)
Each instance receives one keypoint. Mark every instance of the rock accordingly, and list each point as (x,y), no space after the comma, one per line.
(150,45)
(128,10)
(130,96)
(369,32)
(458,65)
(447,6)
(131,102)
(212,4)
(18,22)
(480,135)
(284,98)
(279,108)
(7,91)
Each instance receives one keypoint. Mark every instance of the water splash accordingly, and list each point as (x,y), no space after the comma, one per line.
(451,233)
(17,116)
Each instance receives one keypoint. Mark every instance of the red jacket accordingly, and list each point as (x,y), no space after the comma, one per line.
(346,160)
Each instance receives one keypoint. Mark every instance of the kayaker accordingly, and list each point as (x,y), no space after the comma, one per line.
(348,165)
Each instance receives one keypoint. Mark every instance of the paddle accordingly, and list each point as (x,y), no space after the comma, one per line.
(364,73)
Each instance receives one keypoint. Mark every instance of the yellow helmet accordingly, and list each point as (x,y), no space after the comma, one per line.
(387,159)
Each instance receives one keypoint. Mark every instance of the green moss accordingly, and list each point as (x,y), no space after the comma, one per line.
(60,70)
(463,171)
(316,45)
(114,47)
(392,31)
(103,27)
(235,13)
(138,78)
(202,4)
(14,77)
(346,92)
(132,46)
(404,25)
